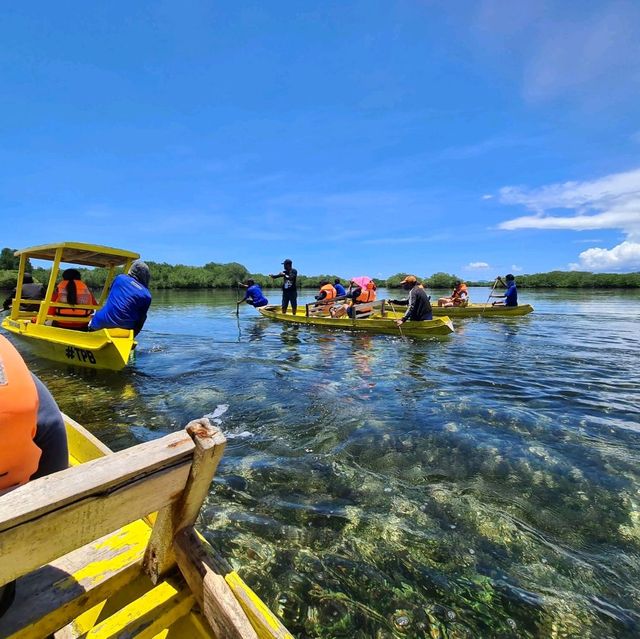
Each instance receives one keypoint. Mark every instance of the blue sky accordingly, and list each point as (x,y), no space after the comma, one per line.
(354,137)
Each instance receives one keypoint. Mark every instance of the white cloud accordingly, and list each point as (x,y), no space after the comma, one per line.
(625,256)
(608,203)
(487,196)
(476,266)
(516,269)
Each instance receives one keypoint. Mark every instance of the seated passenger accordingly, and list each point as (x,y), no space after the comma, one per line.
(30,291)
(418,302)
(128,301)
(72,290)
(459,297)
(340,291)
(510,297)
(33,440)
(325,297)
(356,295)
(253,296)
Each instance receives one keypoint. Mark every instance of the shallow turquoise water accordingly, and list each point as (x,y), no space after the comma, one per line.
(482,485)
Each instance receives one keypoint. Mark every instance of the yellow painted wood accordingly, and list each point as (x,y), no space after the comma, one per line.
(81,253)
(209,447)
(216,600)
(83,446)
(51,287)
(105,349)
(54,595)
(153,613)
(107,571)
(373,324)
(15,307)
(264,622)
(93,499)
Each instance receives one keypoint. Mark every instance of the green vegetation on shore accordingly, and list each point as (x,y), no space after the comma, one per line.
(212,275)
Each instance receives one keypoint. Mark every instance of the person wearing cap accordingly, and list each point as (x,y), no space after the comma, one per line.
(418,303)
(510,296)
(33,439)
(289,286)
(128,301)
(253,295)
(30,291)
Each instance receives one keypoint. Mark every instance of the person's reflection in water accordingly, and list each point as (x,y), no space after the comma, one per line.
(256,331)
(363,361)
(417,364)
(291,341)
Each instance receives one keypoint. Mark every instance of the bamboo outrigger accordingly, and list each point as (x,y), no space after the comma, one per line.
(107,348)
(155,576)
(379,320)
(482,310)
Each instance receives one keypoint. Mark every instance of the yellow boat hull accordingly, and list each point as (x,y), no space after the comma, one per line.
(374,324)
(106,349)
(139,597)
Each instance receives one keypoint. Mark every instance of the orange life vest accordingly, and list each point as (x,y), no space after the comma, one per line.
(83,296)
(366,295)
(330,292)
(19,455)
(459,292)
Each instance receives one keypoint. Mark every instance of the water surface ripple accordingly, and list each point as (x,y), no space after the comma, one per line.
(481,485)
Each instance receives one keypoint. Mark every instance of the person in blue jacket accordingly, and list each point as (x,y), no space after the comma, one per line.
(510,297)
(340,290)
(128,301)
(253,295)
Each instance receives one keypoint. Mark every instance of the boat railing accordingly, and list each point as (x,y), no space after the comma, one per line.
(59,530)
(363,310)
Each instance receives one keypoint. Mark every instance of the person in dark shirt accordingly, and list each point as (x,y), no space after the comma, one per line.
(253,295)
(510,296)
(289,286)
(418,303)
(30,291)
(340,290)
(128,301)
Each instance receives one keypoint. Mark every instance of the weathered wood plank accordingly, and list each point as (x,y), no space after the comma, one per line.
(209,447)
(218,604)
(50,597)
(98,476)
(82,521)
(145,617)
(264,622)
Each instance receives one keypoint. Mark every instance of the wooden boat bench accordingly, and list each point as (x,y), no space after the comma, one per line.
(77,538)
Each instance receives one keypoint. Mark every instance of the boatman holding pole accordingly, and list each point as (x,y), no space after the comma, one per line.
(289,286)
(419,306)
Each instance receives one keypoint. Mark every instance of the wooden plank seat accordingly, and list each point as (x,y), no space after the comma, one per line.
(77,537)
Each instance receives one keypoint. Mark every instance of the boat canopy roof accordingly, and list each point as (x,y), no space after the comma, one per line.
(80,253)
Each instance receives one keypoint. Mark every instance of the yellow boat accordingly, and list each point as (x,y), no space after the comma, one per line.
(482,310)
(380,321)
(93,560)
(106,348)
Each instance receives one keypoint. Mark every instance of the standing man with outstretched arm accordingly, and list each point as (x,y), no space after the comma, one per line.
(289,286)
